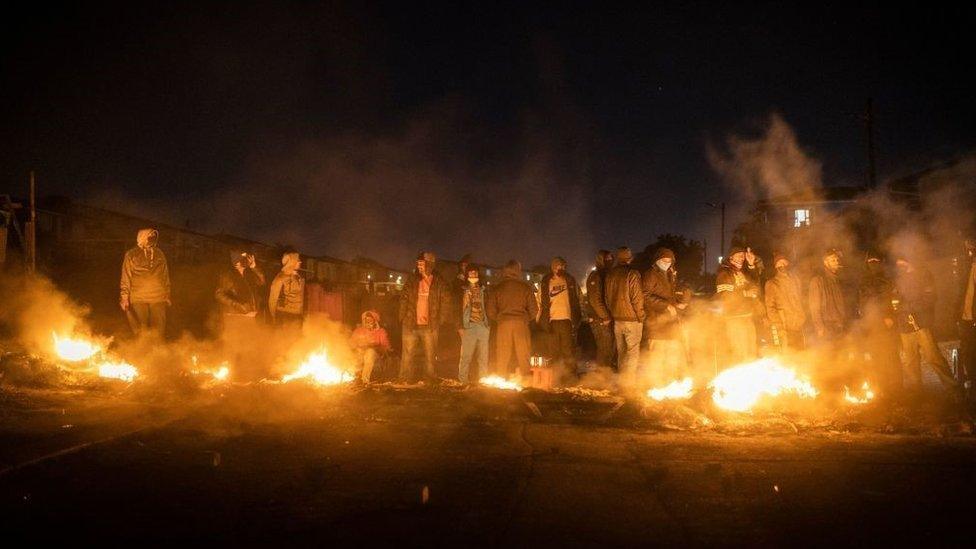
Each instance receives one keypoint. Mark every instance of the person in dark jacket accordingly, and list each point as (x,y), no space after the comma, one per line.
(662,346)
(144,289)
(239,291)
(512,306)
(598,314)
(474,325)
(784,306)
(737,287)
(625,298)
(915,310)
(425,304)
(877,334)
(828,310)
(966,267)
(559,314)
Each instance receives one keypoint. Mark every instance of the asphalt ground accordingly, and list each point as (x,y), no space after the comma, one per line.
(297,465)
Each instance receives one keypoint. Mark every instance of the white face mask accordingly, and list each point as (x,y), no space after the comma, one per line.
(663,264)
(472,280)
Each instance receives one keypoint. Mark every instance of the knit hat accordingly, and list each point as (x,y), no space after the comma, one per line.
(236,256)
(624,255)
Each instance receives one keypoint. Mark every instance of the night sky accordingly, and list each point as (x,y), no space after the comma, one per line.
(501,130)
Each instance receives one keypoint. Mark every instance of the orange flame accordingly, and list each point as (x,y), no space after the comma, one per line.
(680,389)
(499,382)
(318,369)
(741,387)
(74,349)
(853,399)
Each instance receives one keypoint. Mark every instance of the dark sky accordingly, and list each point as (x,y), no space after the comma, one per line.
(501,130)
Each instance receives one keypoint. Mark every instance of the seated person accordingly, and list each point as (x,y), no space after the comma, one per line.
(370,343)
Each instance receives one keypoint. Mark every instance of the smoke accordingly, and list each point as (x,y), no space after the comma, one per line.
(771,164)
(34,308)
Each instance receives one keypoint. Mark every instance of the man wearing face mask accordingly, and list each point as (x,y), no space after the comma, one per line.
(784,306)
(876,325)
(144,290)
(474,326)
(737,288)
(560,314)
(825,297)
(598,313)
(239,291)
(915,311)
(661,348)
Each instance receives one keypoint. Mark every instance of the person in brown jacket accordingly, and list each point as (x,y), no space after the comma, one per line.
(737,288)
(144,290)
(286,298)
(425,304)
(784,306)
(597,312)
(828,312)
(512,306)
(662,347)
(625,299)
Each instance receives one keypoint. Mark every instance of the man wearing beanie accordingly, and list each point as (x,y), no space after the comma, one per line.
(286,299)
(625,300)
(597,311)
(559,314)
(661,349)
(738,290)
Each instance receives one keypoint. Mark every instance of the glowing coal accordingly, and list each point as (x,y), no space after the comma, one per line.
(122,371)
(498,382)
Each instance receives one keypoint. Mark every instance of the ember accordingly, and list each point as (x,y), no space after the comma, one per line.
(499,382)
(675,390)
(740,388)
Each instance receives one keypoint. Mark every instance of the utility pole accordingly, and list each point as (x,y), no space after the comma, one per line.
(720,207)
(32,231)
(869,128)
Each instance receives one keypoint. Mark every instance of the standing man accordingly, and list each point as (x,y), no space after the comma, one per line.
(560,314)
(916,316)
(599,313)
(662,345)
(424,305)
(737,287)
(474,326)
(967,314)
(784,306)
(286,299)
(625,298)
(877,334)
(144,291)
(828,312)
(512,306)
(238,291)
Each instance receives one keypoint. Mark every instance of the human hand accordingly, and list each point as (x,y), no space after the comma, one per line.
(124,302)
(251,261)
(672,310)
(750,256)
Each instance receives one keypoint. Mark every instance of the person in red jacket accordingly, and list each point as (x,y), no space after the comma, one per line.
(371,342)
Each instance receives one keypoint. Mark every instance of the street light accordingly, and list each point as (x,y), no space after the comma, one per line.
(721,207)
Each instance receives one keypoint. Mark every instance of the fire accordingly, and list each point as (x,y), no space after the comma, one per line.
(674,390)
(73,349)
(740,388)
(118,370)
(318,369)
(499,382)
(220,374)
(853,399)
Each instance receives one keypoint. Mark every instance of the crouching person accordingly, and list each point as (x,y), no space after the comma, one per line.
(370,343)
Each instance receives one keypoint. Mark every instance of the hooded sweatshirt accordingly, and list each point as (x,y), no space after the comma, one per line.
(145,273)
(512,299)
(363,337)
(287,292)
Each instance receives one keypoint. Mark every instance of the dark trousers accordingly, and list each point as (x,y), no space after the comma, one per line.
(605,346)
(290,321)
(147,316)
(562,344)
(428,338)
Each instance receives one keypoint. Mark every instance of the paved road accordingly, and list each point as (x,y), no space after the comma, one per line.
(291,465)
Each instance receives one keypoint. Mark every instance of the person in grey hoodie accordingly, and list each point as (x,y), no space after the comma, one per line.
(144,290)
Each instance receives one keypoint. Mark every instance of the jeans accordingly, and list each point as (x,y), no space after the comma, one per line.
(147,316)
(474,341)
(512,337)
(367,360)
(410,338)
(923,341)
(627,335)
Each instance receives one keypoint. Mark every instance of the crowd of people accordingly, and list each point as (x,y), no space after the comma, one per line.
(637,319)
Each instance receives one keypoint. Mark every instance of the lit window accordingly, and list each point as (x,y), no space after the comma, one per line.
(801,218)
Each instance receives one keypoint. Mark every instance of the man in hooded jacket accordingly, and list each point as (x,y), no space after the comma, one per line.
(597,311)
(784,306)
(144,289)
(286,298)
(625,299)
(737,287)
(662,348)
(512,306)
